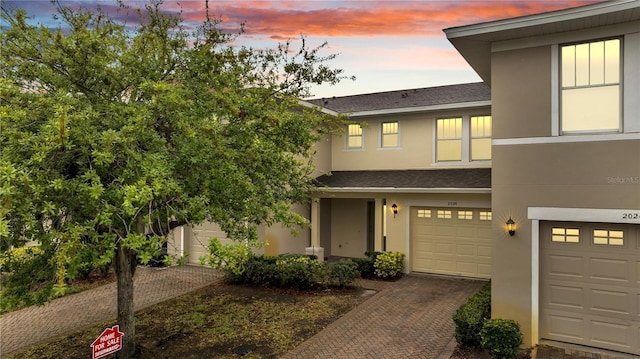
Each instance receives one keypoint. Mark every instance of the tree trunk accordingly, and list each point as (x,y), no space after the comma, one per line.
(125,266)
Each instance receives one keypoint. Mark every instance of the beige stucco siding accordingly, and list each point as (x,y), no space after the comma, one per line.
(416,142)
(521,85)
(566,175)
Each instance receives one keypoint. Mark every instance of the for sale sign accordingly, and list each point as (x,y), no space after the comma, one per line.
(110,341)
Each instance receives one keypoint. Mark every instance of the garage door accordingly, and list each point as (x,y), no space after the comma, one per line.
(590,284)
(451,241)
(197,240)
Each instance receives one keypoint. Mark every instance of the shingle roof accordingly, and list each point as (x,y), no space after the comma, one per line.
(417,179)
(422,97)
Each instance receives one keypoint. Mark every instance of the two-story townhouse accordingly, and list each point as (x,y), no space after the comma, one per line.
(412,173)
(565,93)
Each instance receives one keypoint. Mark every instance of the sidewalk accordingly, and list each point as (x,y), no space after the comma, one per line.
(26,327)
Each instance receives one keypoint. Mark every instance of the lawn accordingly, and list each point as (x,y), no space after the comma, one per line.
(215,320)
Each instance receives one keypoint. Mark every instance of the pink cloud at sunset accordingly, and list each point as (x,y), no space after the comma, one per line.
(386,45)
(365,18)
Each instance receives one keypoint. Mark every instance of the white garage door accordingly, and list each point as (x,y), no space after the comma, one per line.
(197,240)
(590,284)
(451,241)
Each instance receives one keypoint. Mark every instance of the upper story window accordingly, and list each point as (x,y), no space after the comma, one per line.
(449,139)
(591,86)
(389,134)
(480,138)
(354,136)
(464,139)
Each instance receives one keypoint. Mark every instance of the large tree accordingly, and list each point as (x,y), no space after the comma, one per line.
(113,135)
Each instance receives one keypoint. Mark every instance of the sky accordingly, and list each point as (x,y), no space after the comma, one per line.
(387,45)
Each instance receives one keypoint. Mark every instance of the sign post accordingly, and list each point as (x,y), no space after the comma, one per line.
(110,341)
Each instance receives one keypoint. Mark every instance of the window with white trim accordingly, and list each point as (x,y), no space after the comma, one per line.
(389,133)
(608,237)
(449,139)
(480,138)
(463,139)
(354,136)
(590,83)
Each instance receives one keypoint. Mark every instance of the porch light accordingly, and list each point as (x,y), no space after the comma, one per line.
(511,226)
(395,209)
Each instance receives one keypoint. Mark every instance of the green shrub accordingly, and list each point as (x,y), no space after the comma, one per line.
(389,264)
(501,337)
(300,272)
(365,267)
(470,317)
(343,273)
(287,271)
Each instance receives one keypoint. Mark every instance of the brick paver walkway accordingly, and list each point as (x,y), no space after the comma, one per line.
(27,327)
(410,318)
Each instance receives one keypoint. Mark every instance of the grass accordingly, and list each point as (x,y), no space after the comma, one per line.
(214,320)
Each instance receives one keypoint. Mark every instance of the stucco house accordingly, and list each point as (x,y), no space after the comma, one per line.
(565,95)
(549,142)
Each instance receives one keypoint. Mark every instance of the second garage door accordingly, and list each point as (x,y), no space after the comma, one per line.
(590,284)
(451,241)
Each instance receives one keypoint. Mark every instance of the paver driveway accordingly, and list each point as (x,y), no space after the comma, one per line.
(410,318)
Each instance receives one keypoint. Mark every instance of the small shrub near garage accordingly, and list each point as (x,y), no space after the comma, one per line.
(286,271)
(470,317)
(389,264)
(343,273)
(365,265)
(501,337)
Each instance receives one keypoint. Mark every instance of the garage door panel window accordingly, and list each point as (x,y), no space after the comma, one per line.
(444,214)
(465,214)
(565,235)
(485,216)
(608,237)
(424,213)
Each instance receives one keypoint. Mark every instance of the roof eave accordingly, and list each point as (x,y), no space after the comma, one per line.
(418,109)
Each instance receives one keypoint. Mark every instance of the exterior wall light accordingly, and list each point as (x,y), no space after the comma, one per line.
(511,226)
(395,209)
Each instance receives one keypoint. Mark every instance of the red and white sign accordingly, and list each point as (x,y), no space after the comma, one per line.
(110,341)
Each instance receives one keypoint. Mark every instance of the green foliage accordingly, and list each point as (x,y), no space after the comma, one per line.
(343,273)
(285,271)
(470,317)
(113,136)
(501,337)
(389,264)
(365,267)
(233,257)
(27,277)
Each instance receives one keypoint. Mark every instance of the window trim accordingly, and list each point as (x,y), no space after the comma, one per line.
(348,136)
(558,88)
(382,134)
(466,141)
